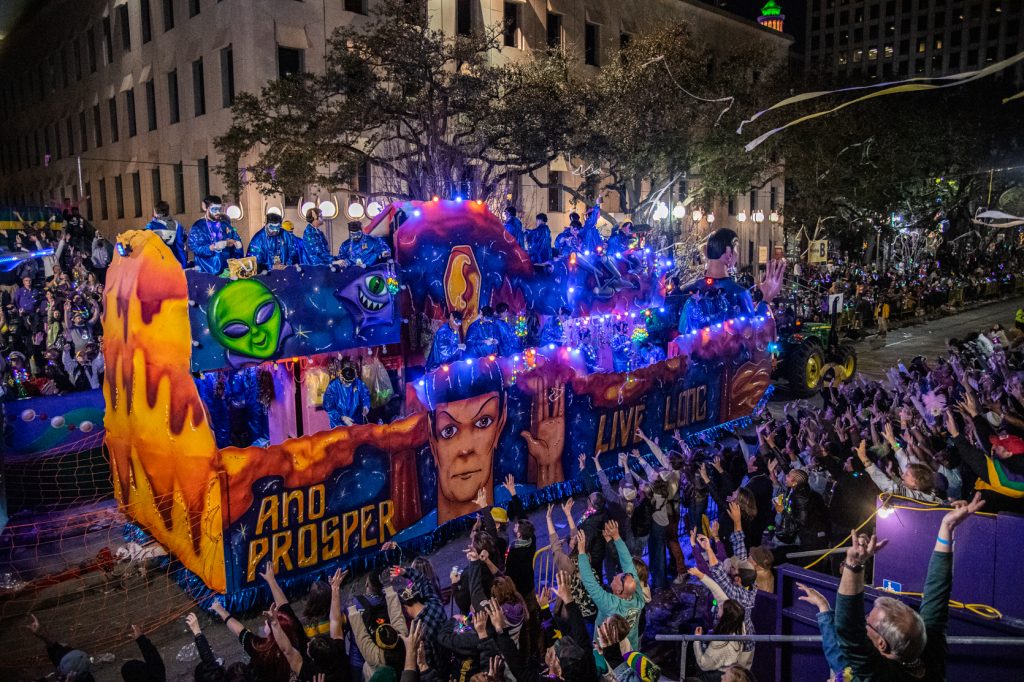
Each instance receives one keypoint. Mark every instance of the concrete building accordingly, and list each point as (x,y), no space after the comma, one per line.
(118,102)
(858,40)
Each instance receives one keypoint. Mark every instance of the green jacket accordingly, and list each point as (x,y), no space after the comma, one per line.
(861,655)
(607,603)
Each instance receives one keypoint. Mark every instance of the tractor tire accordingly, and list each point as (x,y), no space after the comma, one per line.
(804,369)
(846,357)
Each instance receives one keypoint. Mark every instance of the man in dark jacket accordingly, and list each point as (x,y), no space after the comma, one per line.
(592,524)
(804,515)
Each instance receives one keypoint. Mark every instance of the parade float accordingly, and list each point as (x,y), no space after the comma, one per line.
(315,497)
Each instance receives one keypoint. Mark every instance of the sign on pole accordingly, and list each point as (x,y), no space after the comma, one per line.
(818,251)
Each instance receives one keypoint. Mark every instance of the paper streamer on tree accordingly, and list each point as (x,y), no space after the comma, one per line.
(910,85)
(984,218)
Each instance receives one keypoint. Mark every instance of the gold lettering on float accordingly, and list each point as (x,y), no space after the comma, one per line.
(294,531)
(618,430)
(689,406)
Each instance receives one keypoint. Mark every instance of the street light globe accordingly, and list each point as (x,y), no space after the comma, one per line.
(661,211)
(329,209)
(697,215)
(773,216)
(678,211)
(758,216)
(741,217)
(374,209)
(356,210)
(711,217)
(234,212)
(306,207)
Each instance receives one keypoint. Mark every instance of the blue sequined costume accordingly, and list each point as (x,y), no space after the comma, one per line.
(346,400)
(315,250)
(172,234)
(538,244)
(444,349)
(483,338)
(283,248)
(201,238)
(365,248)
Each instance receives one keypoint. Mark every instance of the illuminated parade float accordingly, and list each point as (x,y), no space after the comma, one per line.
(198,364)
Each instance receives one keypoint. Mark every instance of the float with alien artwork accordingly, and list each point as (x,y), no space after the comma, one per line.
(185,350)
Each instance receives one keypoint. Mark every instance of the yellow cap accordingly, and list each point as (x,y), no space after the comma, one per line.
(288,225)
(499,515)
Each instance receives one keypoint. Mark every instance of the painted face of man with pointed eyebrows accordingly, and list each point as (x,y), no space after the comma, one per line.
(463,437)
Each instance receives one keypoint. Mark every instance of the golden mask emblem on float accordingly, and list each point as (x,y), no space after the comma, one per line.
(462,280)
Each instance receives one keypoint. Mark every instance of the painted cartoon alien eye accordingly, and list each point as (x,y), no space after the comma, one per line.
(376,285)
(236,330)
(484,421)
(264,312)
(449,431)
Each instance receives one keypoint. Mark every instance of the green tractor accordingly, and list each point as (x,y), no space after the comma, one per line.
(808,353)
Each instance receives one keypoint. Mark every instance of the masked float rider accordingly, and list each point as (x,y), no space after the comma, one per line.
(315,250)
(362,250)
(169,230)
(212,239)
(273,247)
(347,399)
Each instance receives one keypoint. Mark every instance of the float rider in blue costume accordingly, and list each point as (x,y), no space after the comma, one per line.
(347,399)
(212,239)
(621,241)
(622,349)
(508,342)
(273,247)
(315,250)
(483,337)
(169,230)
(538,241)
(553,331)
(514,226)
(447,346)
(362,250)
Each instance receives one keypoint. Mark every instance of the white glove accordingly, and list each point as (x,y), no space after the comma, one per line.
(359,262)
(341,262)
(219,246)
(462,346)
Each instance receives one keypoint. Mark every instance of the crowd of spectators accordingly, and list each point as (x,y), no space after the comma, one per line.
(947,431)
(874,297)
(50,308)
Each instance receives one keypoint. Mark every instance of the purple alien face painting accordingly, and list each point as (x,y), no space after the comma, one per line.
(368,299)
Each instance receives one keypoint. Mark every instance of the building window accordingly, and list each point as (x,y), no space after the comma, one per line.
(463,17)
(554,31)
(104,212)
(591,45)
(97,130)
(76,51)
(873,54)
(732,206)
(92,51)
(108,41)
(172,96)
(357,6)
(198,88)
(193,8)
(154,181)
(363,177)
(69,126)
(137,193)
(773,199)
(88,202)
(555,192)
(59,146)
(179,188)
(290,61)
(922,45)
(64,66)
(129,108)
(753,200)
(511,24)
(114,134)
(858,55)
(168,15)
(82,131)
(204,176)
(147,21)
(888,51)
(151,104)
(119,196)
(125,26)
(227,76)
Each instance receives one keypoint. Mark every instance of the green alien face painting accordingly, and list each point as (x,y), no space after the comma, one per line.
(246,319)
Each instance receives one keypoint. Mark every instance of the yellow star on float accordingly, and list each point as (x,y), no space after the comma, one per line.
(301,333)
